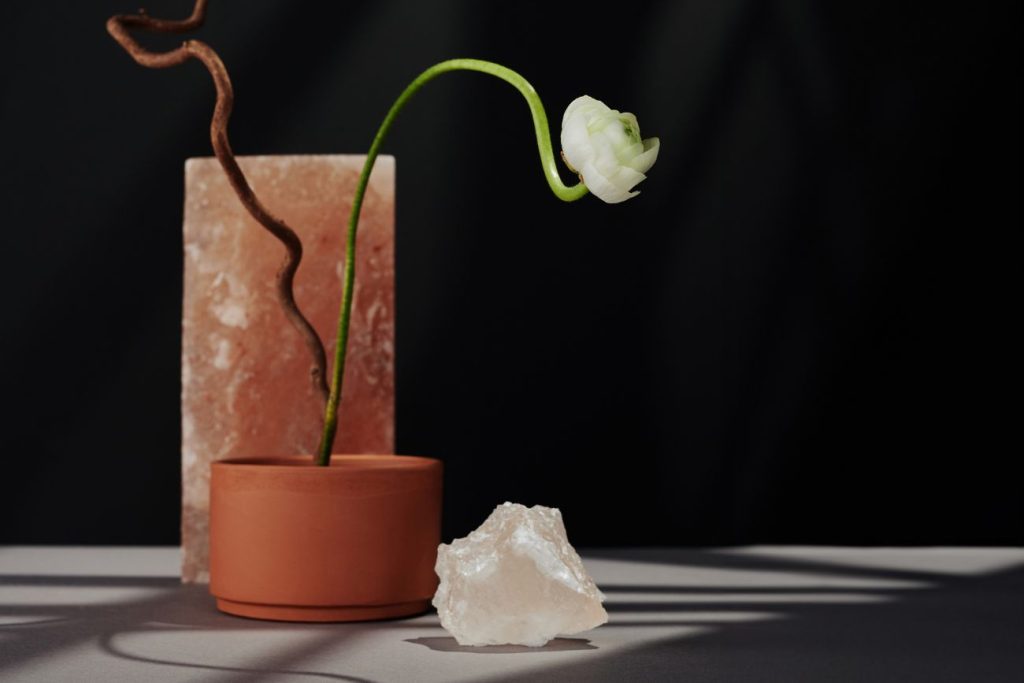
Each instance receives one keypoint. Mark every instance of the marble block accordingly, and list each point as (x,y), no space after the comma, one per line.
(246,389)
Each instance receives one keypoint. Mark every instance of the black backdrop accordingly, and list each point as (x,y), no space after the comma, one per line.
(798,332)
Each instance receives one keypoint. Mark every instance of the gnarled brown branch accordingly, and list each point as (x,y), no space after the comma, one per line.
(119,28)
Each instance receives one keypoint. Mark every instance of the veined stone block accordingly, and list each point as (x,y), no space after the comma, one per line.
(246,388)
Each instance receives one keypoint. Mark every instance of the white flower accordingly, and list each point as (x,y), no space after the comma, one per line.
(604,147)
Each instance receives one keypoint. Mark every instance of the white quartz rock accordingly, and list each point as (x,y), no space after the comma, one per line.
(515,581)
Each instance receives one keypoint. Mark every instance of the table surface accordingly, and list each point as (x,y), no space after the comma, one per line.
(731,614)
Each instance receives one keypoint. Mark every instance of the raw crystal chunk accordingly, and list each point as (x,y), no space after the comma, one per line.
(515,581)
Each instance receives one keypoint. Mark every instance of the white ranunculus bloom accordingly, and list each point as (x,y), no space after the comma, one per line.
(604,147)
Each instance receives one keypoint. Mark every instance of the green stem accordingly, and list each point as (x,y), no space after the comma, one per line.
(548,163)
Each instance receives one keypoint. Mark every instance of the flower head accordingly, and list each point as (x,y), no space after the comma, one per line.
(604,147)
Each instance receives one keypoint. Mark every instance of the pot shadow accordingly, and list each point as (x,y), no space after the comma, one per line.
(36,632)
(449,644)
(107,645)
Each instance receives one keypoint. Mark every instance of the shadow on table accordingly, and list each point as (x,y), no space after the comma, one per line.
(449,644)
(38,631)
(915,626)
(945,628)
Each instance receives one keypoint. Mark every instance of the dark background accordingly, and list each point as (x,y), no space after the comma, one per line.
(799,332)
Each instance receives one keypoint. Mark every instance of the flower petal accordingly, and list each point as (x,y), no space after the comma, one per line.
(605,146)
(642,162)
(601,188)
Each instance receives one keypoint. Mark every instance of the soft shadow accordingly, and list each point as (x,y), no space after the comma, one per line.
(936,627)
(449,644)
(738,590)
(726,558)
(107,645)
(947,629)
(43,631)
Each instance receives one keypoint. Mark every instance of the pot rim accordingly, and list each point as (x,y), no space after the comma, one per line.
(339,463)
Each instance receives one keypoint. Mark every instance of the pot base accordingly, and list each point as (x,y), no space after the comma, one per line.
(333,613)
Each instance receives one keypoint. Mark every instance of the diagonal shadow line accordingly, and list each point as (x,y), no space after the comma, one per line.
(680,623)
(717,558)
(965,628)
(743,590)
(107,645)
(186,606)
(711,606)
(31,623)
(89,581)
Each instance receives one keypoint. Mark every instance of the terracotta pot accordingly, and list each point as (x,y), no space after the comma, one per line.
(291,541)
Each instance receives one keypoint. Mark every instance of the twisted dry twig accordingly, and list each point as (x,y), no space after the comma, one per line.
(118,27)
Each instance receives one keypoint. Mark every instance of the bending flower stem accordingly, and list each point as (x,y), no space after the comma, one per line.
(548,163)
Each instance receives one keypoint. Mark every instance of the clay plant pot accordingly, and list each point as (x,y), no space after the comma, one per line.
(354,541)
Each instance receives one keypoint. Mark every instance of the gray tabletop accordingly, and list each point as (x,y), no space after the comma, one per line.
(738,614)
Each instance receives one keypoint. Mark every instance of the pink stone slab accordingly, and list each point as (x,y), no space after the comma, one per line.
(244,370)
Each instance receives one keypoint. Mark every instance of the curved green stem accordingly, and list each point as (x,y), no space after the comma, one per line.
(548,163)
